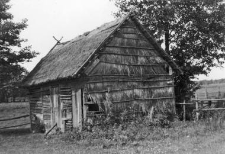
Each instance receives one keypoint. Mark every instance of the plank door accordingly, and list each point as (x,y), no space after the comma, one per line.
(77,105)
(55,107)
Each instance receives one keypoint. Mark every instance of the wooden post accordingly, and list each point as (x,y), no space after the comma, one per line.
(197,111)
(196,96)
(184,113)
(74,106)
(62,121)
(151,113)
(206,94)
(79,106)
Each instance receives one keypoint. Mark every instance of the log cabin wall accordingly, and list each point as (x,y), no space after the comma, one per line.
(130,73)
(36,107)
(65,96)
(43,110)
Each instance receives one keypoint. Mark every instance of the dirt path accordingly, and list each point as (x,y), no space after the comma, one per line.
(20,142)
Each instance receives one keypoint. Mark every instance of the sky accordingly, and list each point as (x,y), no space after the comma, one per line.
(67,19)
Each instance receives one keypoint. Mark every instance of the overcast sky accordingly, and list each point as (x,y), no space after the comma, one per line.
(67,19)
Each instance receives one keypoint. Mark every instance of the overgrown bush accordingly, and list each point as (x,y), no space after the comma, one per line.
(119,128)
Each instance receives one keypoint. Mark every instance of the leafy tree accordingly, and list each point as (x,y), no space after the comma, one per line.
(12,54)
(192,32)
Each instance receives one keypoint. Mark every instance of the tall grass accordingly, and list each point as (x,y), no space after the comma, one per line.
(142,129)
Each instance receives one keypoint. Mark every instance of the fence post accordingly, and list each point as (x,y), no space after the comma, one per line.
(197,111)
(184,109)
(206,94)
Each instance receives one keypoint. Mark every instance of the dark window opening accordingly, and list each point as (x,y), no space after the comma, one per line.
(93,107)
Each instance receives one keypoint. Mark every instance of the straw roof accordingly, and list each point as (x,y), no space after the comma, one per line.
(66,59)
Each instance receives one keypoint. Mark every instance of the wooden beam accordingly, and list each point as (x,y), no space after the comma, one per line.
(208,100)
(102,81)
(133,47)
(79,106)
(209,109)
(74,109)
(127,101)
(122,75)
(156,64)
(121,54)
(115,90)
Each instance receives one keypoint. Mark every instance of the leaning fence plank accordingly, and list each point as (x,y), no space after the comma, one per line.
(46,134)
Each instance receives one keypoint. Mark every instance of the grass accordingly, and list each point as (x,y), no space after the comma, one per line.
(182,137)
(205,136)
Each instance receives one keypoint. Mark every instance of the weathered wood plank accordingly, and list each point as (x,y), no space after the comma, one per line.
(129,42)
(131,51)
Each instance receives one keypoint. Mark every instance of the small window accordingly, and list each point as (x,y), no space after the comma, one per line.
(93,107)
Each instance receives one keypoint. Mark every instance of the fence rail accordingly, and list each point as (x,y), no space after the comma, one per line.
(23,116)
(15,126)
(19,117)
(197,102)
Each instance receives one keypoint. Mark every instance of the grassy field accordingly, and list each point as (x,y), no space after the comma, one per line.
(212,90)
(184,139)
(181,138)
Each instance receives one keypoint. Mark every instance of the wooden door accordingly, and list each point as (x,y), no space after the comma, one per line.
(55,106)
(77,105)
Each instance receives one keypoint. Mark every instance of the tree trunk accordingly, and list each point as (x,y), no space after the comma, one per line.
(167,38)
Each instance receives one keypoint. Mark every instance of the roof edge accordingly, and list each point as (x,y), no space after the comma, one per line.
(34,69)
(101,45)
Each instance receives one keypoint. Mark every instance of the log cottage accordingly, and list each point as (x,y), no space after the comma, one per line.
(115,66)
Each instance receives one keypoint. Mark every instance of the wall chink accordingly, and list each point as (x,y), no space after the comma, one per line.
(114,67)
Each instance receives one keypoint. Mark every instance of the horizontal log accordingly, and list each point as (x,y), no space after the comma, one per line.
(133,47)
(123,37)
(102,81)
(121,54)
(184,103)
(128,27)
(157,64)
(23,116)
(122,75)
(115,90)
(143,99)
(209,109)
(15,126)
(65,98)
(65,95)
(208,100)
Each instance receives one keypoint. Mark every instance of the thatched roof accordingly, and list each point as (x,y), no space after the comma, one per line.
(66,59)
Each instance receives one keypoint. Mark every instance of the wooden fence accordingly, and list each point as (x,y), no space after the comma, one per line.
(203,105)
(19,117)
